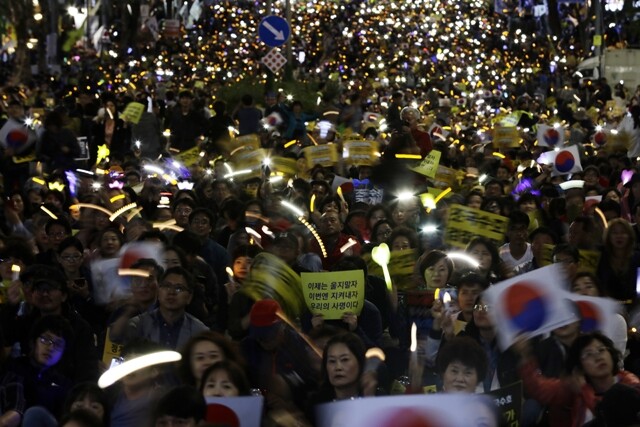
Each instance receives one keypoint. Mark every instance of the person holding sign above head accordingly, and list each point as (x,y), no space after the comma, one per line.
(591,370)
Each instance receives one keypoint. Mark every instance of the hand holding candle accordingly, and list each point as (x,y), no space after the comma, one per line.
(381,255)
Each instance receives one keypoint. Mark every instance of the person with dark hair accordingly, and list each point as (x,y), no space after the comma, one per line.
(462,364)
(489,263)
(247,116)
(518,250)
(81,418)
(135,395)
(182,209)
(168,325)
(45,291)
(569,257)
(583,233)
(403,238)
(182,405)
(234,306)
(201,352)
(87,396)
(57,230)
(201,223)
(34,386)
(206,286)
(334,240)
(185,122)
(619,263)
(343,374)
(436,269)
(224,379)
(381,231)
(592,369)
(58,146)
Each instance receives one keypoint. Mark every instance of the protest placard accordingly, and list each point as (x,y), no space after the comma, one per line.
(284,165)
(429,165)
(133,112)
(324,155)
(465,223)
(506,137)
(270,277)
(508,399)
(360,152)
(189,157)
(334,293)
(401,268)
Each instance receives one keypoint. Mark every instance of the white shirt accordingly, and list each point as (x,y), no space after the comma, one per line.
(510,262)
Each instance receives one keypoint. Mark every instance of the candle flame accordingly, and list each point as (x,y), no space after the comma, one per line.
(15,268)
(446,298)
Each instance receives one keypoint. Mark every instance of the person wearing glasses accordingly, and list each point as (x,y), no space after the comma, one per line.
(46,293)
(592,368)
(57,230)
(169,325)
(34,386)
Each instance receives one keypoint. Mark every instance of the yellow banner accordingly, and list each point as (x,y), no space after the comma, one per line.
(285,165)
(506,137)
(429,165)
(189,157)
(401,268)
(360,153)
(133,112)
(270,277)
(334,293)
(465,223)
(249,160)
(249,142)
(446,177)
(324,155)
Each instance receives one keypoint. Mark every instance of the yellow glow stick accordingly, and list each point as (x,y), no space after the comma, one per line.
(381,255)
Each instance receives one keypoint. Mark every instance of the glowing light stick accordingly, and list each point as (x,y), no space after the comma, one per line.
(15,272)
(375,356)
(339,191)
(48,212)
(446,301)
(122,210)
(409,156)
(347,245)
(381,255)
(312,203)
(118,372)
(137,272)
(92,206)
(602,217)
(441,195)
(464,257)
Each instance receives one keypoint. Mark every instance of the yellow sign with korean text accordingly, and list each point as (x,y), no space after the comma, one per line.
(465,223)
(334,293)
(284,165)
(429,165)
(401,268)
(133,112)
(506,137)
(324,155)
(249,160)
(111,350)
(360,152)
(446,177)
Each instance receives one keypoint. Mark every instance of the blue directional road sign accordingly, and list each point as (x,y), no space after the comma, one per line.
(274,31)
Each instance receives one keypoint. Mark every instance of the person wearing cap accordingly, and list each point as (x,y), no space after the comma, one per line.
(168,325)
(186,123)
(47,293)
(277,357)
(334,240)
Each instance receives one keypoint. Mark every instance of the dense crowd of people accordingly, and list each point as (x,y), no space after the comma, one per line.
(153,216)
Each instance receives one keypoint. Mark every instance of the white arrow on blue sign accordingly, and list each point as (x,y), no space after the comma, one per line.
(274,31)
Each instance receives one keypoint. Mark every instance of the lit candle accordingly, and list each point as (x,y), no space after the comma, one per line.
(15,272)
(446,300)
(381,255)
(414,346)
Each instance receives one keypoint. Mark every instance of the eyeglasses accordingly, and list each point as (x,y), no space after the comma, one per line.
(56,344)
(70,258)
(58,234)
(174,288)
(592,354)
(481,307)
